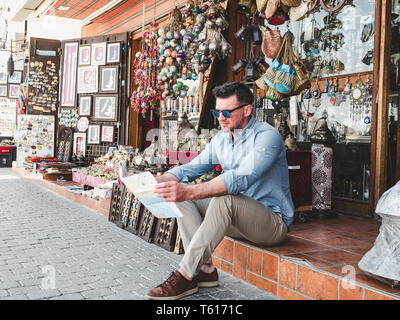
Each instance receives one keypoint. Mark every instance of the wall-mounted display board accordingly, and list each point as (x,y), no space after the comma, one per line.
(94,74)
(34,137)
(8,117)
(43,78)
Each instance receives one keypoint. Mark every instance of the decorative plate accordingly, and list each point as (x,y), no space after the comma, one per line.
(358,93)
(83,124)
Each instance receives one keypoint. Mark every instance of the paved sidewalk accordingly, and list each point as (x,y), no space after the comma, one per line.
(54,248)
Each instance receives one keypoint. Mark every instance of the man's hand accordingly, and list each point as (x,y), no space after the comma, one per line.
(172,191)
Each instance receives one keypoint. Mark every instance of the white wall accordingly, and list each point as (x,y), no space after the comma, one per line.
(56,28)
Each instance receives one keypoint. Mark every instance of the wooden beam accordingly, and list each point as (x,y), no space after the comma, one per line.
(374,107)
(383,101)
(135,127)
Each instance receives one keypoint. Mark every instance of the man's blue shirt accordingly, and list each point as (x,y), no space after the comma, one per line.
(254,164)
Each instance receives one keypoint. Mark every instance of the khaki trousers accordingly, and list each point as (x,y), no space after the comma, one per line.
(205,222)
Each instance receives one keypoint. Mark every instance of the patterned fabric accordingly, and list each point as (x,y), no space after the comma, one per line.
(321,177)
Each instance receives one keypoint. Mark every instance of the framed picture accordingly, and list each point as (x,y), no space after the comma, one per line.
(3,77)
(85,105)
(13,91)
(99,53)
(79,146)
(94,134)
(3,90)
(84,55)
(87,79)
(15,77)
(113,52)
(109,79)
(68,87)
(107,133)
(105,108)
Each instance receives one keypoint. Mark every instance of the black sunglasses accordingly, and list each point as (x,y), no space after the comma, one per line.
(226,113)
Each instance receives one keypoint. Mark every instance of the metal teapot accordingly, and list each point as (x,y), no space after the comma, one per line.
(323,135)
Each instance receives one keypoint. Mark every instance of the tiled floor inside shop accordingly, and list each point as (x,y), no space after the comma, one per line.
(312,263)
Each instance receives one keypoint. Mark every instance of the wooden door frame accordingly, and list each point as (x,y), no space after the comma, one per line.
(380,98)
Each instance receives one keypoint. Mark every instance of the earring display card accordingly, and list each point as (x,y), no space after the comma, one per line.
(125,207)
(178,244)
(134,216)
(43,85)
(117,196)
(147,226)
(165,234)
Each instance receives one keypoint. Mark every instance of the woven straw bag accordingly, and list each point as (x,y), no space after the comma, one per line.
(285,76)
(271,42)
(291,3)
(261,84)
(302,80)
(272,94)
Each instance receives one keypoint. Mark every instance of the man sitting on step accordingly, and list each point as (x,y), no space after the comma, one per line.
(250,200)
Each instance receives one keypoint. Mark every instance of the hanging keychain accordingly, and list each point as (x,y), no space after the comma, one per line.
(332,92)
(347,87)
(368,101)
(316,96)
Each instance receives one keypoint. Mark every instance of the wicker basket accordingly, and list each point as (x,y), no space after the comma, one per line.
(291,3)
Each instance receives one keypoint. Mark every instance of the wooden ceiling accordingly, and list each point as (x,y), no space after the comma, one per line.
(125,16)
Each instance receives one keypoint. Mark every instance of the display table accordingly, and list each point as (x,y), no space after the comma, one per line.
(87,180)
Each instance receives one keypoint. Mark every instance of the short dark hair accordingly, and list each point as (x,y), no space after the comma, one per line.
(242,92)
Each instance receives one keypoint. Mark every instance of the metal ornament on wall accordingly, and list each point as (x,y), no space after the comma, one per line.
(358,93)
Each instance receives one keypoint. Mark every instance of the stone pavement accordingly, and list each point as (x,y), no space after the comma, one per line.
(54,248)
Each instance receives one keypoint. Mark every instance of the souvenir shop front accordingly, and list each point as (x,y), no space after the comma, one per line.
(135,95)
(335,51)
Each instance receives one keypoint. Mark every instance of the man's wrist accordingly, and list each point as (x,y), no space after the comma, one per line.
(191,192)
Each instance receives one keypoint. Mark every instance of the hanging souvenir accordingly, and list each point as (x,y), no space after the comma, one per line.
(333,6)
(358,92)
(316,95)
(347,87)
(332,92)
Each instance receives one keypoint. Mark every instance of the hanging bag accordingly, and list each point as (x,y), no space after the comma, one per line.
(271,42)
(284,77)
(270,75)
(302,80)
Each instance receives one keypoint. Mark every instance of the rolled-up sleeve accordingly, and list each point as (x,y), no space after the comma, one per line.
(200,165)
(260,157)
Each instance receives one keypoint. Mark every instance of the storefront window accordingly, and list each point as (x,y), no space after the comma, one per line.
(338,43)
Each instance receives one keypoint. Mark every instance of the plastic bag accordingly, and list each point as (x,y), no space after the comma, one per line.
(389,202)
(383,259)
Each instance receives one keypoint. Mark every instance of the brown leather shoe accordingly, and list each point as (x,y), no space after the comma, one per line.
(175,287)
(207,280)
